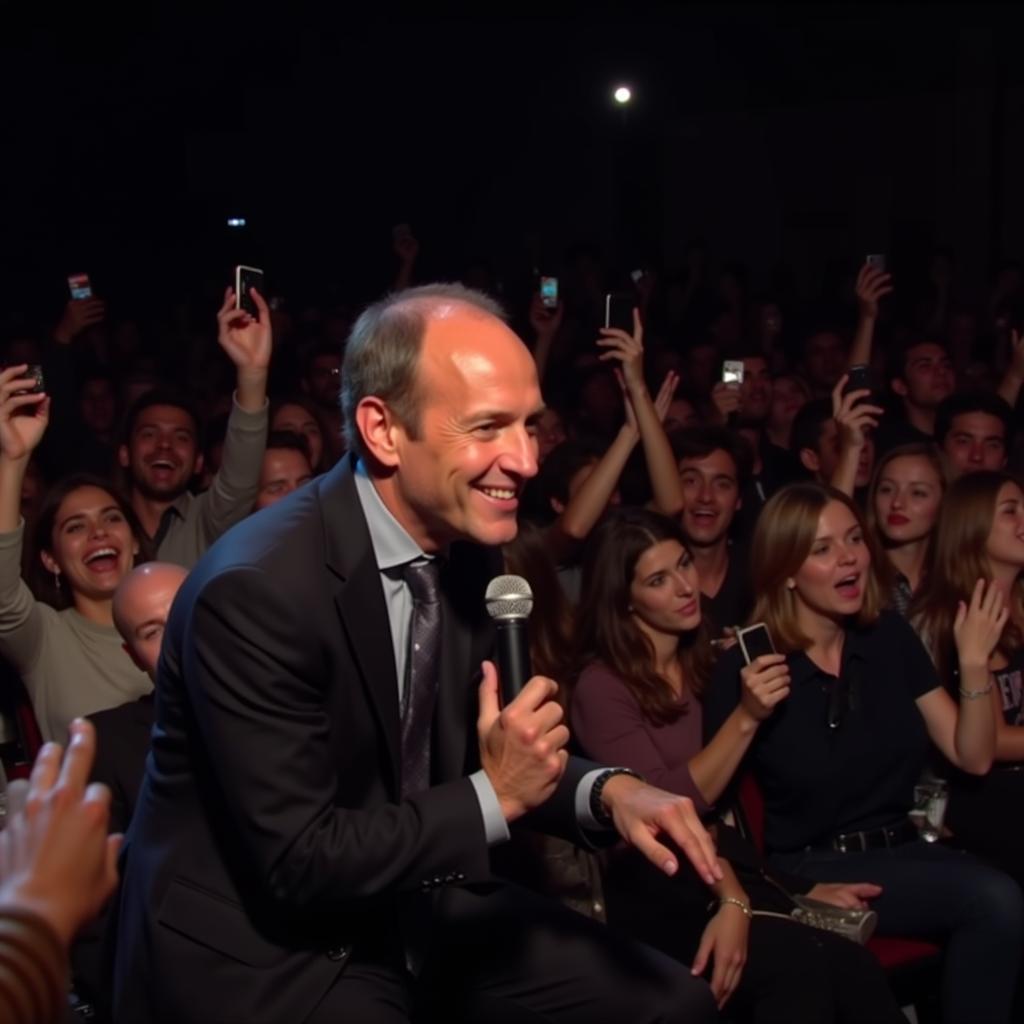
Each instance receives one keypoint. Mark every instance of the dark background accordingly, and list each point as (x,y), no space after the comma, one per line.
(783,134)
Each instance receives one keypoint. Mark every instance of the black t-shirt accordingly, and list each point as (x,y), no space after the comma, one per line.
(731,605)
(1010,683)
(819,781)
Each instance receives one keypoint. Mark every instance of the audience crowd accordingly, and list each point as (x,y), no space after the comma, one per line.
(846,470)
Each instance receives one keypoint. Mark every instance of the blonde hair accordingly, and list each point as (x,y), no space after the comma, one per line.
(783,538)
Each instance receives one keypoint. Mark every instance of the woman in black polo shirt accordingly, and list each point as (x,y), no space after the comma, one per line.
(838,759)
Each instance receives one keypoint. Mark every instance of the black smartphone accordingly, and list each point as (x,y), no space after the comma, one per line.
(754,641)
(246,278)
(618,311)
(858,379)
(875,260)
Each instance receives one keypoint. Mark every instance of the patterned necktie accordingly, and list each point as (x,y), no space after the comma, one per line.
(421,675)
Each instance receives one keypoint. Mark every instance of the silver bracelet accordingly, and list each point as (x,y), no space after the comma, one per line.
(975,694)
(745,907)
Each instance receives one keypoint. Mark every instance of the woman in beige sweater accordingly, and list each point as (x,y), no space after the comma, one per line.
(67,652)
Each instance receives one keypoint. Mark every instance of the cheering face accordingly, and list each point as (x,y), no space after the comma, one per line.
(1005,545)
(710,497)
(833,578)
(92,545)
(460,471)
(664,595)
(975,440)
(162,453)
(907,499)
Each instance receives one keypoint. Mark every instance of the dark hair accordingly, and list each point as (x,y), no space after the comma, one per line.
(563,462)
(551,618)
(808,424)
(383,352)
(980,401)
(40,581)
(896,363)
(162,396)
(606,629)
(288,440)
(700,442)
(305,403)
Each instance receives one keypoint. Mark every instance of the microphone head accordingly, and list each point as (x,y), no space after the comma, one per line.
(508,597)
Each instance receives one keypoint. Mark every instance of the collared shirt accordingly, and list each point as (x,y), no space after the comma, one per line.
(821,780)
(193,522)
(393,548)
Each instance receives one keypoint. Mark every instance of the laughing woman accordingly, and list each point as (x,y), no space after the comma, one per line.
(71,659)
(838,758)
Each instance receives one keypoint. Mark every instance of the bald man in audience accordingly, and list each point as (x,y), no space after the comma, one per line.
(142,603)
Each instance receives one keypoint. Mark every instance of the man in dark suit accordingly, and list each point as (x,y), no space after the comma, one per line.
(307,845)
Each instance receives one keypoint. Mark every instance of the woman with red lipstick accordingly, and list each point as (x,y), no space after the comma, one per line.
(838,759)
(638,703)
(980,534)
(71,660)
(902,508)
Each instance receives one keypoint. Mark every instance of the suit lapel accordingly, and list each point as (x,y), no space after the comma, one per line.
(359,599)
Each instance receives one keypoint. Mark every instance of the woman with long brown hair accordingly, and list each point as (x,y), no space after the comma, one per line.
(903,503)
(838,759)
(980,535)
(637,703)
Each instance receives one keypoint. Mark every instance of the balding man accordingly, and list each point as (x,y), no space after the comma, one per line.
(312,838)
(141,605)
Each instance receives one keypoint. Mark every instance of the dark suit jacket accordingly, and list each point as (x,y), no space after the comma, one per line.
(269,838)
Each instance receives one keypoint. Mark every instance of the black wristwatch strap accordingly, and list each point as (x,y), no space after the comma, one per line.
(597,808)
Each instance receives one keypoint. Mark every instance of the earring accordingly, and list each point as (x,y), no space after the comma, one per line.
(791,583)
(56,579)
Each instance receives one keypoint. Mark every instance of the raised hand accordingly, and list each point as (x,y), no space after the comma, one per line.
(247,341)
(544,320)
(667,392)
(628,350)
(872,285)
(79,315)
(522,746)
(21,434)
(726,399)
(765,682)
(853,416)
(56,859)
(979,624)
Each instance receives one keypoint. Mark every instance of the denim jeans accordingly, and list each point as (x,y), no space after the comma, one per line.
(933,892)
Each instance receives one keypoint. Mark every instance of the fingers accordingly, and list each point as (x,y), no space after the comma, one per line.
(17,794)
(700,961)
(74,772)
(638,327)
(228,304)
(536,692)
(961,616)
(46,769)
(261,305)
(488,698)
(688,832)
(113,851)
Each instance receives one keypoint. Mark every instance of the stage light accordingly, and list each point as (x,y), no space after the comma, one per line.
(623,94)
(236,222)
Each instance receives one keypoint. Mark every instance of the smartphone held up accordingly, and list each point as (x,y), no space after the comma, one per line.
(247,278)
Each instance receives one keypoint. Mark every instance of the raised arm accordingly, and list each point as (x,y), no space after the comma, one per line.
(854,417)
(967,736)
(872,285)
(646,414)
(1013,378)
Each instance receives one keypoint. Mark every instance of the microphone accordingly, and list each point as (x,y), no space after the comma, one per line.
(509,602)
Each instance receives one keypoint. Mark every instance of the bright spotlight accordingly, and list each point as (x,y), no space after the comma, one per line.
(623,94)
(236,222)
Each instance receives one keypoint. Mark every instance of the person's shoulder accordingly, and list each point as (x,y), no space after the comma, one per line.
(596,675)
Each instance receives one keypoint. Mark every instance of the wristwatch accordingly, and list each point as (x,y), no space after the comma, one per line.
(597,808)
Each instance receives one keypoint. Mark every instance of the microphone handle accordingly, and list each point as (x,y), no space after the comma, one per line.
(513,657)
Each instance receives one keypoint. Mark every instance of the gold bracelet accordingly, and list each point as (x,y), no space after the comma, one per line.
(745,907)
(975,694)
